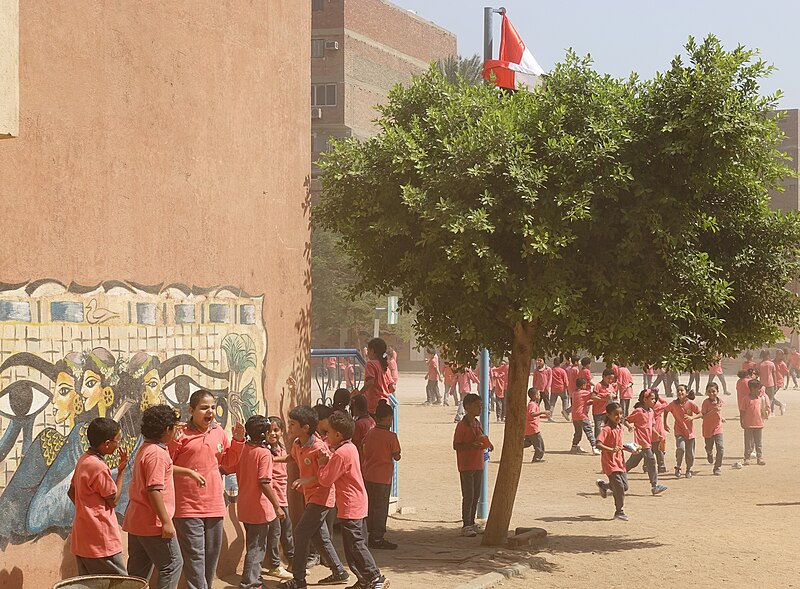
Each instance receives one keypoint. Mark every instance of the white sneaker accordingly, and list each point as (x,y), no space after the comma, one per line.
(577,450)
(479,529)
(278,572)
(468,531)
(596,452)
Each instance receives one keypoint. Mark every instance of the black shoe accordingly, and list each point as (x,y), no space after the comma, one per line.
(292,584)
(335,578)
(379,583)
(382,544)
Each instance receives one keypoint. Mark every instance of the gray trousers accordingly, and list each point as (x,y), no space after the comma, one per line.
(110,565)
(378,510)
(618,481)
(537,441)
(599,422)
(148,552)
(311,527)
(752,441)
(200,539)
(684,446)
(649,462)
(358,556)
(256,548)
(471,483)
(280,536)
(711,442)
(432,392)
(582,427)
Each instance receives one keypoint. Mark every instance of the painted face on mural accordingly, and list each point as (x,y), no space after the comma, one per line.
(66,401)
(151,395)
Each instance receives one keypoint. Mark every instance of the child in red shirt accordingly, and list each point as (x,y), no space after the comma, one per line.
(712,426)
(469,442)
(280,530)
(612,459)
(603,392)
(376,376)
(381,448)
(364,421)
(755,408)
(641,421)
(533,436)
(684,411)
(581,397)
(96,541)
(559,388)
(342,471)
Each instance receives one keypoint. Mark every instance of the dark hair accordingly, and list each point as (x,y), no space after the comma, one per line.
(742,373)
(194,400)
(359,404)
(580,382)
(608,372)
(341,422)
(764,354)
(156,420)
(275,420)
(531,392)
(383,410)
(558,360)
(341,400)
(470,399)
(257,427)
(322,411)
(754,384)
(378,346)
(748,354)
(712,384)
(585,361)
(305,415)
(101,429)
(610,408)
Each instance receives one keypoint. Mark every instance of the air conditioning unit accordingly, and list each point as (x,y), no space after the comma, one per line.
(332,45)
(316,113)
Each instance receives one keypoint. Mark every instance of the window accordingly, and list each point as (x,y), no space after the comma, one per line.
(184,313)
(15,311)
(317,47)
(66,311)
(320,142)
(218,313)
(317,4)
(247,314)
(145,313)
(323,95)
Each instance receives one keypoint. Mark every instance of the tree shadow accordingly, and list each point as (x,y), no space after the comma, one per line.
(572,518)
(600,544)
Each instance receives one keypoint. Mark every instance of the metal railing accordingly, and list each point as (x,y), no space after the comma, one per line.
(330,378)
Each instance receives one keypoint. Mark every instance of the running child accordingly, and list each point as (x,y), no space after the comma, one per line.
(96,541)
(603,392)
(755,410)
(381,449)
(258,505)
(533,436)
(543,380)
(641,421)
(684,411)
(712,427)
(581,399)
(280,530)
(342,472)
(659,433)
(558,388)
(612,460)
(585,371)
(469,442)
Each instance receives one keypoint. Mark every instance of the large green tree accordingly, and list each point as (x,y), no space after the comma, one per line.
(626,218)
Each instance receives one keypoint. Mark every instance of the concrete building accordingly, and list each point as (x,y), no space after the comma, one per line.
(789,199)
(359,50)
(154,236)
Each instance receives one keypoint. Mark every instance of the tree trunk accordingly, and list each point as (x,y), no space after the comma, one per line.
(505,488)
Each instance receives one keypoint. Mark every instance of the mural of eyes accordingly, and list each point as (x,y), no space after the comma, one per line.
(23,398)
(179,389)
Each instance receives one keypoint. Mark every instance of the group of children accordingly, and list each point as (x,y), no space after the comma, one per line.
(175,513)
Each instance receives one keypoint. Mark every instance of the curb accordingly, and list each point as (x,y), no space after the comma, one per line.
(491,579)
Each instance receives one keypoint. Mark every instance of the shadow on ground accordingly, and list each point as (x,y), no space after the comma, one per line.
(600,544)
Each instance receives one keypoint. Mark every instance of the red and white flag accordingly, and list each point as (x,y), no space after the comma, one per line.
(515,64)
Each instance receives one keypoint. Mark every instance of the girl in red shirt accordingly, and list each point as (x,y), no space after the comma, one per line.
(376,380)
(712,426)
(641,422)
(612,459)
(754,409)
(280,530)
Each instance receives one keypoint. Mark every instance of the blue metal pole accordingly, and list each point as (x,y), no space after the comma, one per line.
(483,504)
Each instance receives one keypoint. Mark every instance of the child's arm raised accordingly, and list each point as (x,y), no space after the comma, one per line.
(112,502)
(156,500)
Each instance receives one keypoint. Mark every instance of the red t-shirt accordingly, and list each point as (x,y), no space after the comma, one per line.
(542,379)
(781,371)
(95,532)
(766,371)
(377,455)
(605,393)
(433,367)
(305,455)
(715,368)
(254,468)
(679,412)
(794,359)
(642,421)
(658,419)
(580,404)
(449,376)
(560,381)
(748,364)
(532,419)
(572,376)
(465,380)
(712,418)
(206,452)
(466,433)
(625,383)
(280,478)
(586,374)
(152,471)
(611,461)
(751,413)
(343,473)
(363,425)
(380,387)
(742,390)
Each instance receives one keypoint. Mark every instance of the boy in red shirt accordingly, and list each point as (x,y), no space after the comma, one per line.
(559,385)
(794,366)
(469,442)
(612,459)
(684,411)
(754,409)
(603,392)
(712,426)
(580,417)
(381,448)
(342,472)
(258,504)
(96,541)
(364,421)
(148,520)
(533,436)
(306,449)
(543,380)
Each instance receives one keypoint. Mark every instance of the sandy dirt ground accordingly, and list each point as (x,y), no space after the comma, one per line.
(736,530)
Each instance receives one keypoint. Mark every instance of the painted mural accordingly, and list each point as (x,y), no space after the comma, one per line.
(71,353)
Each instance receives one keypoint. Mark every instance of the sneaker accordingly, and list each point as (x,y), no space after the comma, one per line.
(293,584)
(716,472)
(761,462)
(468,531)
(538,460)
(479,529)
(335,578)
(662,470)
(379,583)
(710,457)
(312,561)
(426,404)
(784,407)
(658,489)
(677,472)
(577,450)
(602,486)
(382,544)
(278,572)
(688,474)
(565,415)
(596,452)
(746,462)
(752,454)
(358,585)
(620,515)
(737,466)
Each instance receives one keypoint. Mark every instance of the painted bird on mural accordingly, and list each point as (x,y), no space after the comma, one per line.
(95,314)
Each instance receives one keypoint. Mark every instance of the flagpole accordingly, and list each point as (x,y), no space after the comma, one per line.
(488,36)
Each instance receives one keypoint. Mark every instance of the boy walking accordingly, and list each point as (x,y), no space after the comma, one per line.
(381,449)
(469,442)
(96,541)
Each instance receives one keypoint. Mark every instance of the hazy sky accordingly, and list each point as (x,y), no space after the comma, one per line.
(633,35)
